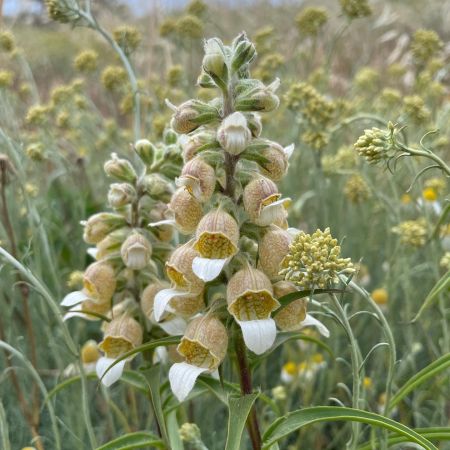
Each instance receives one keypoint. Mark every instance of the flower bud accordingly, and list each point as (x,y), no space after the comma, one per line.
(260,98)
(99,282)
(217,235)
(243,52)
(121,335)
(121,194)
(136,251)
(214,60)
(198,178)
(250,295)
(273,248)
(170,137)
(179,269)
(277,160)
(204,343)
(98,226)
(376,145)
(120,168)
(205,81)
(234,134)
(111,243)
(192,144)
(254,124)
(191,114)
(262,202)
(156,187)
(89,352)
(145,150)
(187,210)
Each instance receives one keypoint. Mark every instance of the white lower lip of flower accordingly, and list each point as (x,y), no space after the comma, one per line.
(174,327)
(112,375)
(311,321)
(208,269)
(92,251)
(161,355)
(259,335)
(163,222)
(270,213)
(137,258)
(74,298)
(286,377)
(182,377)
(289,150)
(162,299)
(191,184)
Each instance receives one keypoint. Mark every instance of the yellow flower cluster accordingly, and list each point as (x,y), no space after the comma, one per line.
(7,43)
(356,189)
(86,61)
(314,260)
(355,9)
(311,20)
(412,232)
(114,77)
(375,145)
(127,38)
(425,45)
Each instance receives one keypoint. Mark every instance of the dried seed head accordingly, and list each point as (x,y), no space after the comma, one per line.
(217,235)
(186,209)
(179,269)
(99,282)
(262,202)
(198,178)
(250,295)
(89,352)
(273,248)
(98,226)
(234,134)
(121,335)
(136,251)
(204,343)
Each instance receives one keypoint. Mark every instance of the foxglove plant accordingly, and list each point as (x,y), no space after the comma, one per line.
(128,253)
(231,210)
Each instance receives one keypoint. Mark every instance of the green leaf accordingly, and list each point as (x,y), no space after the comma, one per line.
(135,379)
(153,380)
(173,432)
(420,377)
(289,298)
(439,288)
(435,434)
(165,341)
(139,439)
(298,419)
(66,383)
(239,409)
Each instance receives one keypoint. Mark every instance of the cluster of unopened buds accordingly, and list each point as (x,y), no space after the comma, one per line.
(227,274)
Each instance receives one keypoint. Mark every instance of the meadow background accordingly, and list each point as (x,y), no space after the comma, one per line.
(63,113)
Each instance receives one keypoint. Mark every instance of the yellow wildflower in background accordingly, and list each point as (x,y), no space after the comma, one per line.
(310,20)
(7,43)
(412,232)
(114,77)
(356,189)
(86,61)
(6,78)
(355,9)
(425,45)
(380,296)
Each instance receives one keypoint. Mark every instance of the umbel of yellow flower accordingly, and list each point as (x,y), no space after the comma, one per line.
(203,347)
(412,232)
(314,260)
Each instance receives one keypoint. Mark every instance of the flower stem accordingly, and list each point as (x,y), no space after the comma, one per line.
(430,155)
(245,378)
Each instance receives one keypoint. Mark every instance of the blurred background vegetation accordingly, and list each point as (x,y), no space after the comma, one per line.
(65,105)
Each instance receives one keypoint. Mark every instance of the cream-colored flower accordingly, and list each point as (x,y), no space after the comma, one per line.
(234,134)
(203,347)
(121,335)
(216,242)
(277,160)
(263,203)
(198,178)
(272,249)
(187,210)
(136,251)
(251,302)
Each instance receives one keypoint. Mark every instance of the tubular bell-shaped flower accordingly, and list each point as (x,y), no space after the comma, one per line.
(251,302)
(136,251)
(121,335)
(263,203)
(198,178)
(217,236)
(277,160)
(185,282)
(234,134)
(187,210)
(203,347)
